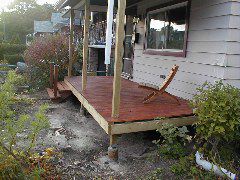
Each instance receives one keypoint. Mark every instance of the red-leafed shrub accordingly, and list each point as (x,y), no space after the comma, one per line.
(39,55)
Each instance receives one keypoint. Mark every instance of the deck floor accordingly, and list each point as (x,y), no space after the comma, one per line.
(99,95)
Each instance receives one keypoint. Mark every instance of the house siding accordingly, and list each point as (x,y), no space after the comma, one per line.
(213,49)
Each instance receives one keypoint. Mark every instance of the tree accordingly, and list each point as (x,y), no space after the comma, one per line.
(19,19)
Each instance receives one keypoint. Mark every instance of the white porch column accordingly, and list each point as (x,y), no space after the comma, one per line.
(85,44)
(118,58)
(109,31)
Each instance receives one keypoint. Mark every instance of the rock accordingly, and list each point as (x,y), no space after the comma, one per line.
(77,163)
(21,67)
(67,148)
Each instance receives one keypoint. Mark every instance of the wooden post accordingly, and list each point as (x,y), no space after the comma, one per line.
(55,89)
(85,44)
(118,58)
(51,74)
(72,17)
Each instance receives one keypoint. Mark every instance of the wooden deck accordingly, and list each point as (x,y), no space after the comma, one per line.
(97,99)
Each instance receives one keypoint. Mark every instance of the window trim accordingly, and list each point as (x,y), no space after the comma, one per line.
(162,8)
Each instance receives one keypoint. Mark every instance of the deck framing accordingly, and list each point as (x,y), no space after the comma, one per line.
(101,121)
(128,127)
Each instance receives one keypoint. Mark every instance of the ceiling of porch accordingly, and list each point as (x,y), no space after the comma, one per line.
(76,4)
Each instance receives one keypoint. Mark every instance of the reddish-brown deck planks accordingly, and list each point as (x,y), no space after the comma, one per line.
(99,95)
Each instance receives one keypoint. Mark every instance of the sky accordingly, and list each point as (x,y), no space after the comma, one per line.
(4,3)
(157,24)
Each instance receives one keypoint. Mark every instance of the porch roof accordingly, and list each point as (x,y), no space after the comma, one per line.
(78,3)
(73,3)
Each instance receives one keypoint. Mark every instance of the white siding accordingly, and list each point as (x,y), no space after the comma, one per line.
(213,49)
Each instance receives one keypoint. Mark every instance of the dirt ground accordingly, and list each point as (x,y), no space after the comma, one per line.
(84,146)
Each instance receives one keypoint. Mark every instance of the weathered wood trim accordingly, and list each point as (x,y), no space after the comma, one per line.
(118,58)
(72,17)
(124,128)
(85,44)
(101,121)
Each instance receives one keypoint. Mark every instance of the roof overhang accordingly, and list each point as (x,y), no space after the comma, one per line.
(96,5)
(73,3)
(78,10)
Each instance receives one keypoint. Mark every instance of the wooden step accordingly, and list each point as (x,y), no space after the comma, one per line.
(62,87)
(51,94)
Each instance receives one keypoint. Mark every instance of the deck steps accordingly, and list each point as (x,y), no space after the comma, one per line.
(62,87)
(51,94)
(63,92)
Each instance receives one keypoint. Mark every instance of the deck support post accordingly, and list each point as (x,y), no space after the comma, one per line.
(85,44)
(71,46)
(118,58)
(83,110)
(112,149)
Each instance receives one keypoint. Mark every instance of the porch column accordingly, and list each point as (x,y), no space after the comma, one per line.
(118,58)
(108,48)
(85,44)
(71,46)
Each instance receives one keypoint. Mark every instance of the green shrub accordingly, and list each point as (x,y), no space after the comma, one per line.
(11,49)
(174,141)
(218,109)
(217,133)
(13,59)
(218,129)
(17,162)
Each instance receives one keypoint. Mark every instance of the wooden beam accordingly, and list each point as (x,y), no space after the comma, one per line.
(85,44)
(118,58)
(123,128)
(71,46)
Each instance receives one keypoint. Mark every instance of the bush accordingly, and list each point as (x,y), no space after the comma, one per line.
(43,51)
(13,59)
(218,109)
(174,141)
(11,49)
(217,133)
(17,162)
(218,129)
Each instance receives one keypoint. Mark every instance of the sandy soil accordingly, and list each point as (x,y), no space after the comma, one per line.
(84,146)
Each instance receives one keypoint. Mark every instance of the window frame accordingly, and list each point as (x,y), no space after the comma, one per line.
(161,8)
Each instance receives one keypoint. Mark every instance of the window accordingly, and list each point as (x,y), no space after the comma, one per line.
(166,30)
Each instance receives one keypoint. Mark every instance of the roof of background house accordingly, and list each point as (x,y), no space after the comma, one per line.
(57,18)
(43,26)
(60,22)
(57,21)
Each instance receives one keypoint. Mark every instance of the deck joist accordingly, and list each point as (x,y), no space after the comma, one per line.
(134,115)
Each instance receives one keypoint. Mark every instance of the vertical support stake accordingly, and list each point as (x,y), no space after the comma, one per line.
(118,58)
(51,74)
(113,149)
(85,44)
(55,89)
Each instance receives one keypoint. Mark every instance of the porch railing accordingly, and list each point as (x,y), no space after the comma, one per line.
(97,33)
